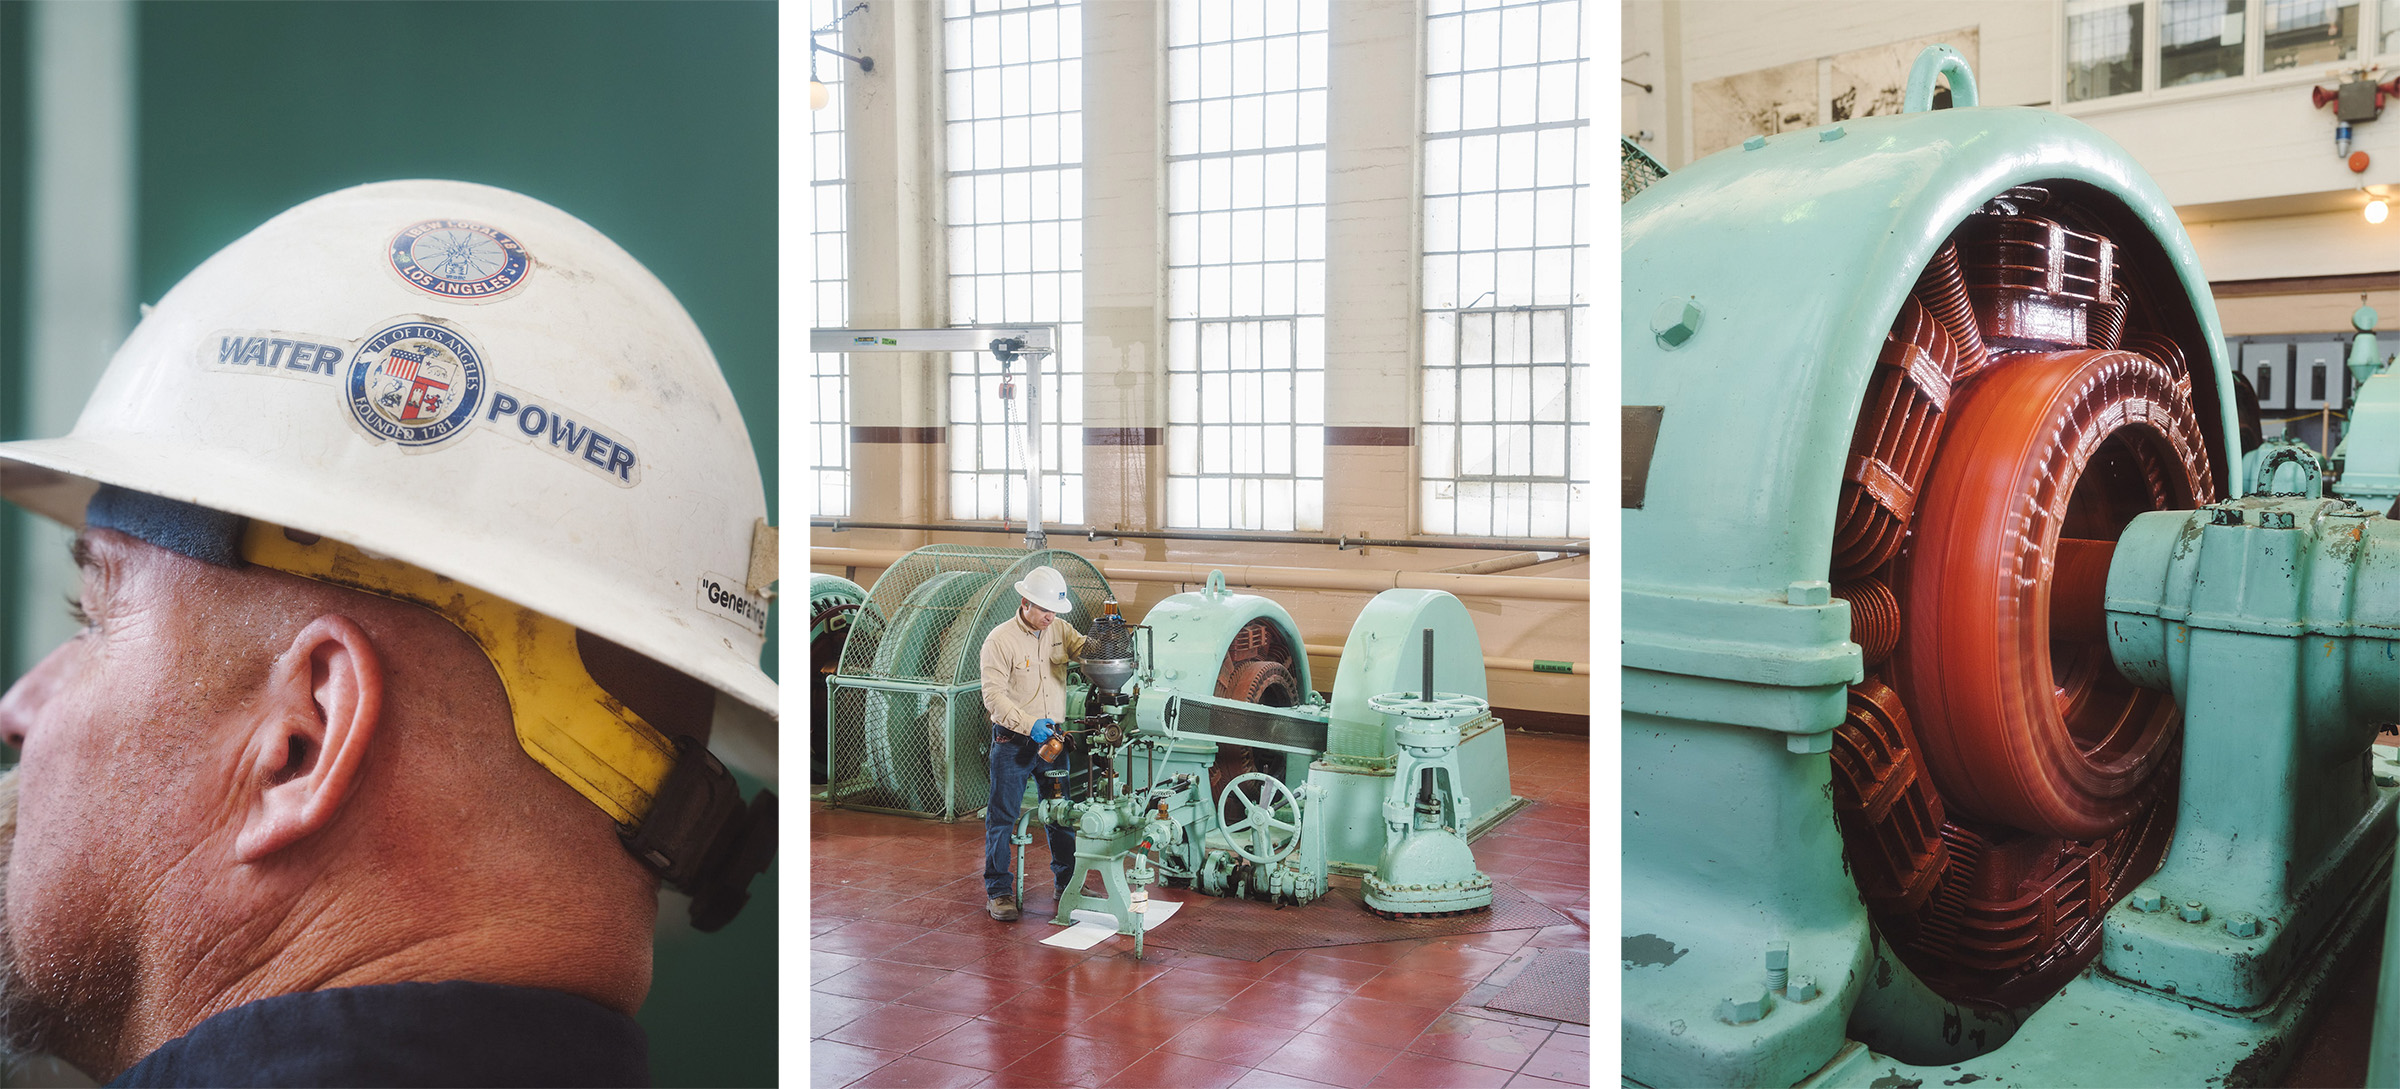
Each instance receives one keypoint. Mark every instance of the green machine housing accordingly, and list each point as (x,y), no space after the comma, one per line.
(1787,915)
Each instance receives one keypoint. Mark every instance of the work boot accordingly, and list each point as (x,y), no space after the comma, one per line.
(1004,908)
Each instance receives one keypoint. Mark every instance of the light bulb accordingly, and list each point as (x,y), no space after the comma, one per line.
(818,95)
(2377,210)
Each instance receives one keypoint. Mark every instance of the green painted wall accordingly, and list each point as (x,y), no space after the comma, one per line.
(654,122)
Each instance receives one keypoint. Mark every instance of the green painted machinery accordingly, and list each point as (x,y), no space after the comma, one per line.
(1968,735)
(2370,449)
(1199,752)
(908,729)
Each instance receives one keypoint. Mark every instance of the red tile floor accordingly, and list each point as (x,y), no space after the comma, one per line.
(911,984)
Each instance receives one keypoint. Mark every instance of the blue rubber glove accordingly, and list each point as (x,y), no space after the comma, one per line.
(1042,731)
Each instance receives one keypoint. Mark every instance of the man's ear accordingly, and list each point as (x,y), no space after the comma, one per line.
(317,718)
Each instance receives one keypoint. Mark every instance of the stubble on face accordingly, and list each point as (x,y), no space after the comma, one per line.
(98,791)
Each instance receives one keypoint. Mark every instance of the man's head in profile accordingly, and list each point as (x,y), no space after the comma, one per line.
(422,564)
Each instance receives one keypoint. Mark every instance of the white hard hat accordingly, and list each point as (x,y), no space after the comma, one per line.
(467,380)
(1046,589)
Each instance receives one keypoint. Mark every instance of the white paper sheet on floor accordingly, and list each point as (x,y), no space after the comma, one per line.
(1092,926)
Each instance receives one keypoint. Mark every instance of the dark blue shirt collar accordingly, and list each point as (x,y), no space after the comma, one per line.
(424,1034)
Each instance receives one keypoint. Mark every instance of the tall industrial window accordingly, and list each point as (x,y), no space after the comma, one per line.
(1014,72)
(2388,24)
(1246,264)
(1504,449)
(2310,32)
(2104,48)
(2199,40)
(829,280)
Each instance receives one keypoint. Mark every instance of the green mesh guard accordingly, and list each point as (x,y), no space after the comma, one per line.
(1640,170)
(909,733)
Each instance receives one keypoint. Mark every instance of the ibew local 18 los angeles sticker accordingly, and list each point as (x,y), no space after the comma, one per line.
(459,259)
(414,382)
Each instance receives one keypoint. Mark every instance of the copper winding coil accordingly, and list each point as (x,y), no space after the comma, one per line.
(1256,641)
(2108,320)
(1943,290)
(1893,445)
(1261,682)
(2037,733)
(1874,618)
(1882,797)
(2014,915)
(2169,354)
(1257,668)
(2034,281)
(1996,783)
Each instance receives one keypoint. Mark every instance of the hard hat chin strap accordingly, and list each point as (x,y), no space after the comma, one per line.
(677,809)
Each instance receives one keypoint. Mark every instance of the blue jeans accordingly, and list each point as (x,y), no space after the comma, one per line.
(1014,764)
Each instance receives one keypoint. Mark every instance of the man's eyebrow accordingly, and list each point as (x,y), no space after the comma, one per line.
(80,551)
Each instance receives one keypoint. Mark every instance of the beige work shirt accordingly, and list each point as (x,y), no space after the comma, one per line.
(1025,672)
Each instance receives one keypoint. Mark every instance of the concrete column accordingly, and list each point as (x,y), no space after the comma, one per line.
(1374,96)
(1124,265)
(898,405)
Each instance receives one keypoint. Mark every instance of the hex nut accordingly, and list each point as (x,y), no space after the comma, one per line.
(1742,1011)
(1831,134)
(1809,592)
(2242,924)
(1779,956)
(2146,899)
(1675,322)
(2275,519)
(1803,988)
(2193,911)
(1754,143)
(2224,516)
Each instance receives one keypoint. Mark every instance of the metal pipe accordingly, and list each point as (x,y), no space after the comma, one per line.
(1513,665)
(1427,691)
(1034,538)
(1283,578)
(1094,533)
(1497,564)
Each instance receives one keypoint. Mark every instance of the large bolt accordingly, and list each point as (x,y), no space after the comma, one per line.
(1754,143)
(1779,964)
(2224,516)
(1674,322)
(2242,924)
(1808,592)
(2146,899)
(2193,911)
(1831,134)
(1803,988)
(1741,1011)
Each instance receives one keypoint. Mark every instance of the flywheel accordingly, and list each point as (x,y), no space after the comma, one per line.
(1997,783)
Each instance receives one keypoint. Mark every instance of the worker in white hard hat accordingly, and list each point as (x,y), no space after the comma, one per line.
(1025,695)
(424,563)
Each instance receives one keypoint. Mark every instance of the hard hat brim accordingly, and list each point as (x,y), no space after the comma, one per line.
(55,478)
